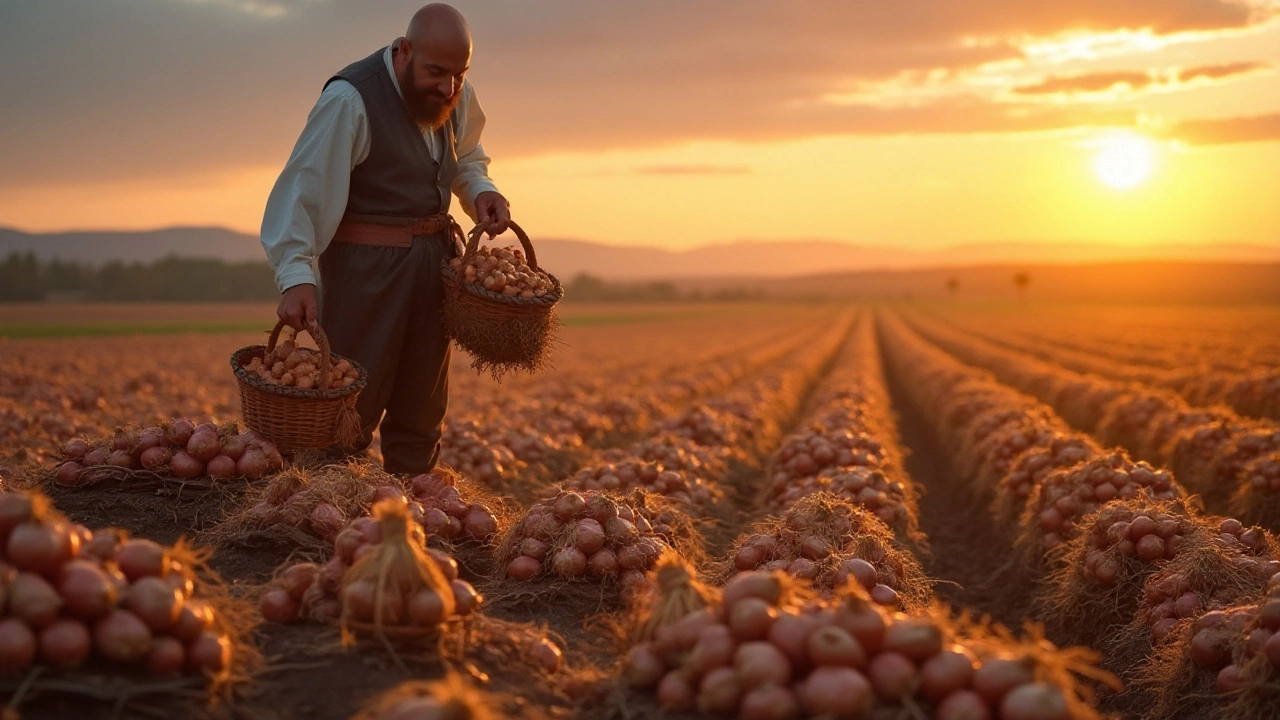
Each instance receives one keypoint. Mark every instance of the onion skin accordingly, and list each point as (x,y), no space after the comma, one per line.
(41,547)
(546,655)
(769,703)
(140,558)
(893,676)
(86,589)
(719,692)
(122,637)
(751,619)
(221,467)
(33,600)
(997,676)
(569,562)
(17,644)
(760,663)
(790,634)
(466,599)
(836,692)
(278,606)
(203,446)
(209,654)
(1034,701)
(643,668)
(916,640)
(65,644)
(326,521)
(68,474)
(945,673)
(758,584)
(167,656)
(675,694)
(963,705)
(155,602)
(296,578)
(182,465)
(833,645)
(714,649)
(524,569)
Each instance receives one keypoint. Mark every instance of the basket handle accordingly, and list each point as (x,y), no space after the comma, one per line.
(473,246)
(322,342)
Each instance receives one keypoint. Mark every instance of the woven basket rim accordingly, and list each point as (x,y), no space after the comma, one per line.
(451,277)
(259,384)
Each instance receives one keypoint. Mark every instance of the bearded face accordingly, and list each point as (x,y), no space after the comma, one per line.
(423,99)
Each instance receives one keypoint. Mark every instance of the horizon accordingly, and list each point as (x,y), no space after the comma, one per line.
(1134,124)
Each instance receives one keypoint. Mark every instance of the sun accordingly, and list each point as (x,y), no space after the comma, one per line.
(1124,161)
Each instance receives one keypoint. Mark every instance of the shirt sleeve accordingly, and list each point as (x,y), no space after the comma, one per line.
(309,198)
(473,163)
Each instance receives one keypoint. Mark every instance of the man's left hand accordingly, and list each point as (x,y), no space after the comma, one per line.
(493,212)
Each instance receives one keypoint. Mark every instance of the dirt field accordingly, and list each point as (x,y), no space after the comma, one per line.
(1000,458)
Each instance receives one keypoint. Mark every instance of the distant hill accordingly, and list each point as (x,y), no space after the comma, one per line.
(567,258)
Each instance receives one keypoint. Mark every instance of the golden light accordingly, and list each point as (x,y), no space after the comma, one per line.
(1124,161)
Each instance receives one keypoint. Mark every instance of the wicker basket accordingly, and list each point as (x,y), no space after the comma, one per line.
(500,332)
(294,419)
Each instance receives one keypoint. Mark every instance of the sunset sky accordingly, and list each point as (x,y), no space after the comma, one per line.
(914,123)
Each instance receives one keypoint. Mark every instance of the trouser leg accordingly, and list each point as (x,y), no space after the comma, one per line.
(365,294)
(416,408)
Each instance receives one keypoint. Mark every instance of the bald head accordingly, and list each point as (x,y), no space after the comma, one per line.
(431,62)
(439,25)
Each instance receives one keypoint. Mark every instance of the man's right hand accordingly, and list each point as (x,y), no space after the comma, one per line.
(298,306)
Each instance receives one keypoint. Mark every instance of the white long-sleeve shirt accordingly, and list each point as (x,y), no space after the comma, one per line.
(310,196)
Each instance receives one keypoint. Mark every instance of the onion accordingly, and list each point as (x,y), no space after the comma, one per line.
(179,432)
(884,595)
(631,557)
(1035,701)
(359,598)
(426,608)
(156,459)
(602,563)
(524,568)
(65,644)
(278,606)
(1149,547)
(296,578)
(14,509)
(760,663)
(221,467)
(917,640)
(833,645)
(719,692)
(167,656)
(748,557)
(122,637)
(836,692)
(620,531)
(96,456)
(945,673)
(17,644)
(998,675)
(68,474)
(209,654)
(864,622)
(893,676)
(681,636)
(86,589)
(863,571)
(41,547)
(963,705)
(1230,680)
(569,562)
(466,599)
(253,464)
(675,694)
(790,634)
(1211,648)
(122,459)
(1272,649)
(155,602)
(203,446)
(232,446)
(147,439)
(751,618)
(33,600)
(769,703)
(568,506)
(588,536)
(75,449)
(325,519)
(534,548)
(479,524)
(182,465)
(445,561)
(547,655)
(140,557)
(643,667)
(814,547)
(714,649)
(758,584)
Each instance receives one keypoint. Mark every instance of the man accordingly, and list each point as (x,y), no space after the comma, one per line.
(367,192)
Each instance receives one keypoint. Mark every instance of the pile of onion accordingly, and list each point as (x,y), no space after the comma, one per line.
(1242,644)
(1118,532)
(1027,470)
(446,514)
(476,457)
(503,270)
(177,449)
(578,536)
(706,426)
(1201,582)
(323,502)
(381,574)
(451,698)
(865,486)
(680,454)
(632,474)
(292,366)
(72,597)
(1065,495)
(825,445)
(763,652)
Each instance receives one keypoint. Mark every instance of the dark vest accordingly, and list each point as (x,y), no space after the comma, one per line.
(399,178)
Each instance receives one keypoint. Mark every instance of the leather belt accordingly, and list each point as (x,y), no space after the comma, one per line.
(387,231)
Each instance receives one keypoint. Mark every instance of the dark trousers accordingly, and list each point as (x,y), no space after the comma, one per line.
(380,306)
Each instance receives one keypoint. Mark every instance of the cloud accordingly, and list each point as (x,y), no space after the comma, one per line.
(1087,83)
(694,170)
(153,89)
(1257,128)
(1218,72)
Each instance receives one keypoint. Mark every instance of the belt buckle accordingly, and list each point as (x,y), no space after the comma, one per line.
(425,226)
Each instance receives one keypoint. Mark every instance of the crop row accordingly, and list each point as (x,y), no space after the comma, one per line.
(1233,463)
(1110,550)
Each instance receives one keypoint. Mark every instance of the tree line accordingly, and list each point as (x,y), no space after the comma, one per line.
(24,278)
